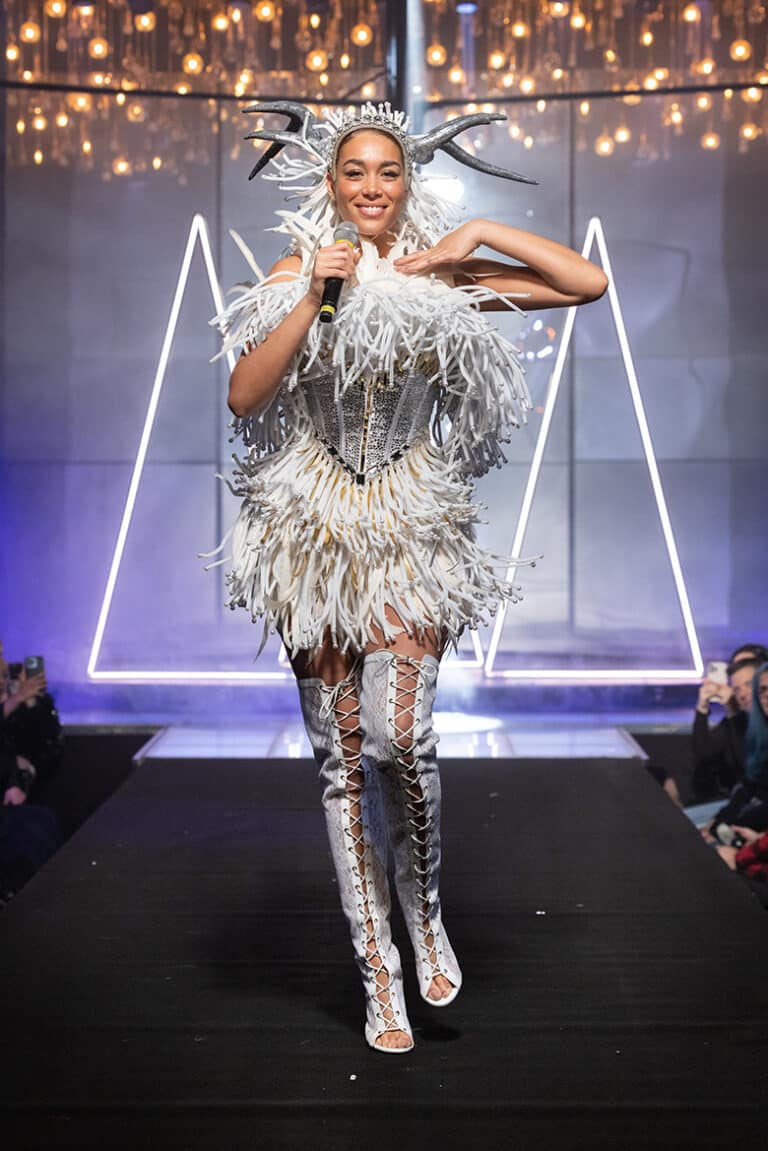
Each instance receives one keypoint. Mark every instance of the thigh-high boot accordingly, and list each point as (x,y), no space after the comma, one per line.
(399,742)
(359,848)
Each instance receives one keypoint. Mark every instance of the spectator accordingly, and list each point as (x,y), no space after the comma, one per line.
(718,751)
(748,802)
(30,743)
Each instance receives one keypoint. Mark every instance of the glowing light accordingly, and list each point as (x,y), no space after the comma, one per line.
(235,15)
(121,166)
(86,147)
(710,141)
(584,107)
(610,55)
(630,97)
(496,60)
(650,83)
(521,30)
(704,67)
(508,79)
(30,32)
(703,102)
(12,53)
(316,60)
(676,115)
(749,131)
(528,142)
(62,120)
(183,89)
(345,60)
(527,85)
(578,20)
(558,10)
(691,14)
(145,22)
(38,156)
(80,101)
(762,77)
(541,105)
(622,135)
(751,95)
(646,38)
(39,123)
(368,91)
(362,35)
(661,74)
(21,127)
(456,75)
(120,98)
(265,12)
(192,63)
(55,9)
(514,131)
(604,145)
(157,163)
(136,113)
(98,48)
(740,50)
(436,55)
(27,75)
(558,73)
(630,675)
(314,20)
(220,22)
(324,78)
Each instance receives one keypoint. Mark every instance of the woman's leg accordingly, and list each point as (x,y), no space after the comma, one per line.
(329,689)
(398,688)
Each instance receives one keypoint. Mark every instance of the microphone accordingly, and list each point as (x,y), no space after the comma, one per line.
(347,233)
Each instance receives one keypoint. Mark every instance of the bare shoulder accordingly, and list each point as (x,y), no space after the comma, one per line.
(285,269)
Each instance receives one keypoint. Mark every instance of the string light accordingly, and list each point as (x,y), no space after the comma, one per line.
(317,60)
(30,32)
(145,21)
(362,35)
(265,12)
(710,141)
(436,55)
(98,48)
(55,9)
(740,50)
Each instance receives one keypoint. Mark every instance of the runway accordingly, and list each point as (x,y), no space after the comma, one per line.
(180,976)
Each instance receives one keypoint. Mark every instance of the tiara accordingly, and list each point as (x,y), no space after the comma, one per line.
(322,138)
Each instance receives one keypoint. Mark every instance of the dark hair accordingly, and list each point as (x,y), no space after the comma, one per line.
(740,664)
(755,650)
(756,740)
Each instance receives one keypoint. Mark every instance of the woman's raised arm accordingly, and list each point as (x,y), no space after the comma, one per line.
(550,275)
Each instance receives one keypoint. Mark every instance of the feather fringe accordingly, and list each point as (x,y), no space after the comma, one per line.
(313,550)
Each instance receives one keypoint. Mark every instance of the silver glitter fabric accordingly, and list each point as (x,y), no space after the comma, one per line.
(374,421)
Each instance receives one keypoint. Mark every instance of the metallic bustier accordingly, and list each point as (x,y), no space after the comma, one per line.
(373,422)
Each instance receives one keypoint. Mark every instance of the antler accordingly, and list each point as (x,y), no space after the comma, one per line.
(299,119)
(423,147)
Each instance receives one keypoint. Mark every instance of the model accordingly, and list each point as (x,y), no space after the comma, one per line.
(355,539)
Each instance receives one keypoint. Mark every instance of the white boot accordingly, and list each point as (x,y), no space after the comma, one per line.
(399,742)
(359,848)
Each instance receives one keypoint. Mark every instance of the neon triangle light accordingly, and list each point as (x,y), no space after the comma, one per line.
(198,232)
(595,235)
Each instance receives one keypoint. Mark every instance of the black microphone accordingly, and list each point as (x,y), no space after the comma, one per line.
(347,233)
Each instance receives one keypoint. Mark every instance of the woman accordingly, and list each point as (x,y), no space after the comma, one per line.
(355,539)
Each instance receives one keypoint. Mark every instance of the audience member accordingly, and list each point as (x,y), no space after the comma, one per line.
(30,744)
(718,751)
(747,805)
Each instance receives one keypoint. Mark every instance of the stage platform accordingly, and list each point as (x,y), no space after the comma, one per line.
(179,975)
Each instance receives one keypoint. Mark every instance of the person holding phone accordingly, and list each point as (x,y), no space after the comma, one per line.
(718,751)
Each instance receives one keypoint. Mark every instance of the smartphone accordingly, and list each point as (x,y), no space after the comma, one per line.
(34,665)
(728,837)
(717,671)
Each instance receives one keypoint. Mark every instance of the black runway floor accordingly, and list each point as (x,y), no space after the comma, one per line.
(179,976)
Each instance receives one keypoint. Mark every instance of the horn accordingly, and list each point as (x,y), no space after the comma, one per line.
(424,147)
(299,118)
(490,169)
(442,137)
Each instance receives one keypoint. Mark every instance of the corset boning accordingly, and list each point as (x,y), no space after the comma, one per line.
(373,422)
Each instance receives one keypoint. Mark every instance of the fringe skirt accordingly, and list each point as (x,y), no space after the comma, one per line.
(316,552)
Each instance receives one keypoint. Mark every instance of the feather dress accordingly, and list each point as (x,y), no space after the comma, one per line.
(356,480)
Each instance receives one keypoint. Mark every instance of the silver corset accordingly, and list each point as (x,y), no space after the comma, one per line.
(373,422)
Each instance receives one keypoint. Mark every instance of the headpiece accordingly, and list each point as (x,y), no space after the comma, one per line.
(323,138)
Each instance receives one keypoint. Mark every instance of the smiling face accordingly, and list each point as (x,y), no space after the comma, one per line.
(370,186)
